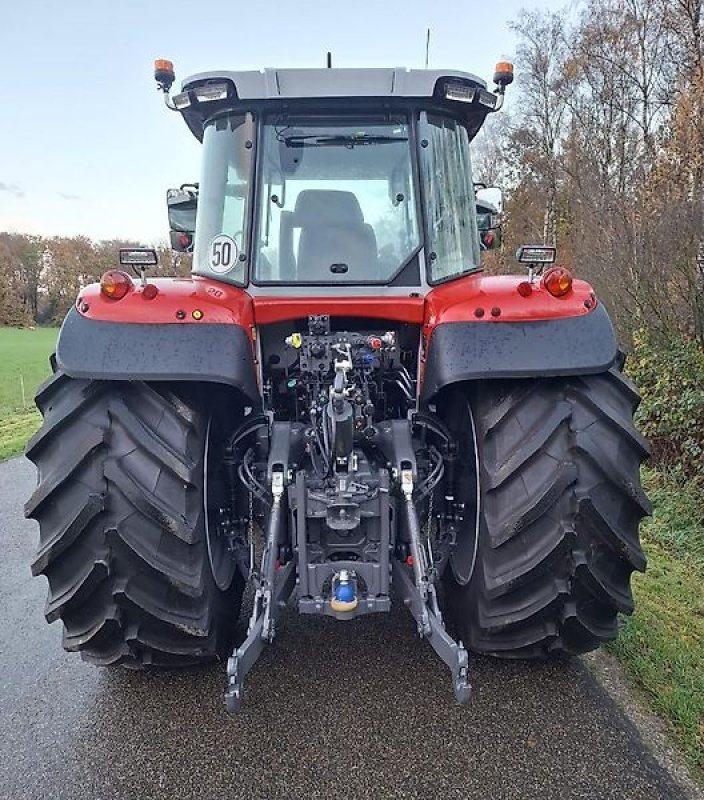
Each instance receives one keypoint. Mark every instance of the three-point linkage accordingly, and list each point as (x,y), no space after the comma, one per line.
(338,501)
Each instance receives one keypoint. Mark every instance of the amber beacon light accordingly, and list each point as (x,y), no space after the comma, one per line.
(503,74)
(164,74)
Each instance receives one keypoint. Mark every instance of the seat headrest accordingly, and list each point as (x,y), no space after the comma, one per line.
(327,207)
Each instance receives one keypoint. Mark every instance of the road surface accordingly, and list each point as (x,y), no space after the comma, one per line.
(333,710)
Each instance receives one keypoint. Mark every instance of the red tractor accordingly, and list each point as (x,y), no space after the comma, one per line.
(337,403)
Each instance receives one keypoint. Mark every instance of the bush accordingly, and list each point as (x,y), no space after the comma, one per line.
(671,380)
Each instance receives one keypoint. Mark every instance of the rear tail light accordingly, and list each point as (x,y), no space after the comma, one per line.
(115,284)
(558,281)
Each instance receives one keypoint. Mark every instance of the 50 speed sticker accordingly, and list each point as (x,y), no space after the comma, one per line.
(223,254)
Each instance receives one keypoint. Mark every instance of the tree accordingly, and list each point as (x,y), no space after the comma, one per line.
(13,309)
(544,87)
(24,256)
(71,264)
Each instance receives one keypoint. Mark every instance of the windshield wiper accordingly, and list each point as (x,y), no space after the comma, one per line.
(347,140)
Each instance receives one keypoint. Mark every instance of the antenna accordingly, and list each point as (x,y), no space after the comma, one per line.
(427,47)
(329,63)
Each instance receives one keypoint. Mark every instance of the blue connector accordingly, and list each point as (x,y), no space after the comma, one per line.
(344,592)
(344,597)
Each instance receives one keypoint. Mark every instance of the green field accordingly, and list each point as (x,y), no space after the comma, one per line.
(24,364)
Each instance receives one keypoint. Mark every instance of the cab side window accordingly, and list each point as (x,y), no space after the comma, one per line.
(446,174)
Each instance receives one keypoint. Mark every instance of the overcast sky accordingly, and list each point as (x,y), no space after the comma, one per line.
(86,145)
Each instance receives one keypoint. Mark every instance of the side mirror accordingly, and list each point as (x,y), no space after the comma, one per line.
(489,195)
(489,201)
(182,206)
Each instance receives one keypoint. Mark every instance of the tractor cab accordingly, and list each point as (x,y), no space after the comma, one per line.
(333,178)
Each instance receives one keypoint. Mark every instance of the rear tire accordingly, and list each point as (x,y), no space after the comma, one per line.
(120,508)
(560,506)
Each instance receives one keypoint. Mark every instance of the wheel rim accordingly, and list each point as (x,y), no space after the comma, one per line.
(463,557)
(222,564)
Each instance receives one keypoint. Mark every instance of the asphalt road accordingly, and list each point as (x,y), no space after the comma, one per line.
(333,710)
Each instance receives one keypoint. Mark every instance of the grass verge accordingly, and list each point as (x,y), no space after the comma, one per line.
(15,431)
(662,644)
(24,364)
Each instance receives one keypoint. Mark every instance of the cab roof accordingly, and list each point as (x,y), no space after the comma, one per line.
(270,84)
(291,84)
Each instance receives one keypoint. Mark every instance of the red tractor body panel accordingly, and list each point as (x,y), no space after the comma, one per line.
(278,309)
(176,301)
(475,298)
(472,299)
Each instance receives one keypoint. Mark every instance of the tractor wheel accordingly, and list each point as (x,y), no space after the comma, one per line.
(121,514)
(560,505)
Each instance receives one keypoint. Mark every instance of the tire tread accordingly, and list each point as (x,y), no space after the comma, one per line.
(120,509)
(559,525)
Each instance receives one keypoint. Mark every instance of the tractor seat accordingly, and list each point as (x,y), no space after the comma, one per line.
(333,236)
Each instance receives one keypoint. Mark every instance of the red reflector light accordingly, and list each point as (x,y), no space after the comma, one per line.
(525,288)
(374,342)
(184,240)
(558,281)
(150,291)
(115,284)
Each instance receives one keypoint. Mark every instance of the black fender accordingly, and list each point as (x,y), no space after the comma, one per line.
(216,353)
(463,351)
